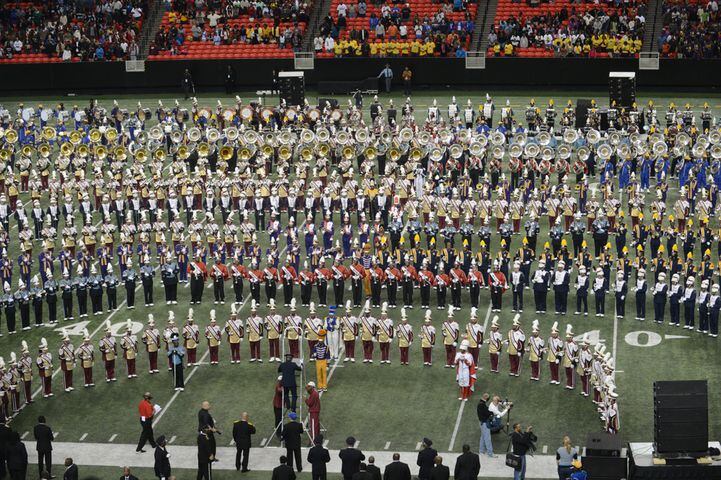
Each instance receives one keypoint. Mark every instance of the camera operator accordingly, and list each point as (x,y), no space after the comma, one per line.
(523,442)
(485,418)
(499,409)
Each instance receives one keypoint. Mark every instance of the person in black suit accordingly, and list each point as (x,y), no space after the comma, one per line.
(362,473)
(162,462)
(17,458)
(127,475)
(351,459)
(373,469)
(522,443)
(468,465)
(397,470)
(44,445)
(440,471)
(426,459)
(5,435)
(283,471)
(242,432)
(292,432)
(205,419)
(318,456)
(287,371)
(71,470)
(205,455)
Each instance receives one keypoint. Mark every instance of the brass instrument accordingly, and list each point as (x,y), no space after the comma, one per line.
(159,155)
(232,133)
(27,151)
(342,138)
(313,114)
(82,151)
(713,137)
(497,152)
(141,155)
(306,153)
(583,153)
(225,152)
(266,151)
(75,137)
(394,154)
(614,138)
(49,134)
(515,150)
(142,137)
(455,151)
(716,152)
(66,149)
(532,150)
(659,149)
(44,150)
(101,152)
(406,135)
(246,113)
(604,151)
(213,135)
(445,135)
(564,152)
(5,154)
(307,136)
(194,135)
(624,151)
(155,133)
(183,152)
(416,154)
(547,153)
(570,135)
(95,136)
(121,153)
(464,136)
(683,139)
(423,139)
(322,135)
(543,138)
(362,136)
(203,149)
(111,135)
(593,136)
(285,137)
(370,153)
(176,137)
(336,115)
(520,138)
(476,149)
(11,136)
(436,154)
(323,150)
(284,153)
(497,138)
(250,137)
(347,152)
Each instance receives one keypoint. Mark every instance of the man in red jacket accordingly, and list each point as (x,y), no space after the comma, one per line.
(146,412)
(313,404)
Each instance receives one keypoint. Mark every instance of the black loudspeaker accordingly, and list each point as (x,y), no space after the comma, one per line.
(603,444)
(292,88)
(680,417)
(322,101)
(582,106)
(622,88)
(605,468)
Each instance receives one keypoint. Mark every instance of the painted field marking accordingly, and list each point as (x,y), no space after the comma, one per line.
(545,449)
(457,426)
(113,437)
(55,435)
(24,435)
(172,439)
(418,446)
(83,436)
(388,445)
(264,442)
(232,442)
(325,443)
(356,444)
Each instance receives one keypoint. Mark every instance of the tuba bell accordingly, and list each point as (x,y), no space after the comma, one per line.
(27,151)
(683,139)
(49,134)
(497,138)
(406,135)
(323,150)
(532,150)
(306,153)
(455,151)
(95,135)
(342,138)
(604,151)
(464,136)
(213,135)
(11,136)
(515,150)
(111,135)
(284,153)
(101,152)
(307,136)
(194,135)
(415,154)
(159,155)
(323,135)
(424,139)
(394,154)
(266,151)
(250,137)
(232,133)
(564,152)
(183,152)
(543,138)
(476,149)
(624,151)
(583,153)
(176,136)
(713,137)
(547,153)
(66,149)
(698,151)
(347,152)
(370,152)
(520,138)
(155,133)
(44,150)
(361,136)
(203,149)
(716,152)
(285,137)
(445,135)
(121,153)
(142,154)
(593,136)
(614,138)
(225,152)
(659,149)
(83,151)
(570,135)
(436,154)
(497,152)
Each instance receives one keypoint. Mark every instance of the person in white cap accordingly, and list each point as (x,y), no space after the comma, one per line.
(293,326)
(555,354)
(620,287)
(312,327)
(714,306)
(404,333)
(640,289)
(191,338)
(516,346)
(385,334)
(561,282)
(151,339)
(535,351)
(541,281)
(129,344)
(108,349)
(254,328)
(369,330)
(660,292)
(599,292)
(570,358)
(498,285)
(465,371)
(450,332)
(66,355)
(518,282)
(689,303)
(44,362)
(348,326)
(428,339)
(474,334)
(585,364)
(675,294)
(495,344)
(274,327)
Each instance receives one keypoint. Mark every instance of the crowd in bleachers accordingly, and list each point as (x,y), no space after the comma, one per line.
(568,29)
(690,30)
(416,28)
(63,31)
(234,28)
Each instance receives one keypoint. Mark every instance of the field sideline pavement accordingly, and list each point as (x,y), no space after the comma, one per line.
(265,459)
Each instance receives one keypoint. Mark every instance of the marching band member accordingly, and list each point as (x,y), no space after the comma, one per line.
(518,282)
(349,331)
(541,282)
(404,333)
(108,349)
(66,355)
(450,332)
(465,372)
(495,344)
(620,288)
(191,337)
(498,286)
(582,286)
(255,329)
(274,327)
(536,349)
(234,331)
(369,329)
(474,335)
(385,334)
(151,339)
(555,351)
(689,303)
(129,344)
(570,358)
(516,346)
(214,336)
(312,326)
(44,362)
(585,363)
(86,354)
(561,281)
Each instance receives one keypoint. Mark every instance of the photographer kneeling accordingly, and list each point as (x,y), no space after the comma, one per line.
(523,442)
(489,416)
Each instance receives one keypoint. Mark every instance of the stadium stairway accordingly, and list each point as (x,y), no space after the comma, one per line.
(654,24)
(484,21)
(319,11)
(150,26)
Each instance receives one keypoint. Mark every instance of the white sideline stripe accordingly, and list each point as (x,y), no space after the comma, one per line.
(190,375)
(172,439)
(388,445)
(418,446)
(112,438)
(24,435)
(83,436)
(325,443)
(357,443)
(545,449)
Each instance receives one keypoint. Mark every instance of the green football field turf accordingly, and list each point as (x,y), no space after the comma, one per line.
(384,407)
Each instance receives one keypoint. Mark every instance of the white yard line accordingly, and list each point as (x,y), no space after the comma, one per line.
(113,437)
(83,437)
(418,446)
(545,449)
(615,341)
(457,426)
(325,443)
(24,435)
(387,446)
(172,439)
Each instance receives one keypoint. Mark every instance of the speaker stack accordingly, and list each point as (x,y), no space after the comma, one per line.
(680,418)
(622,88)
(603,458)
(291,86)
(582,106)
